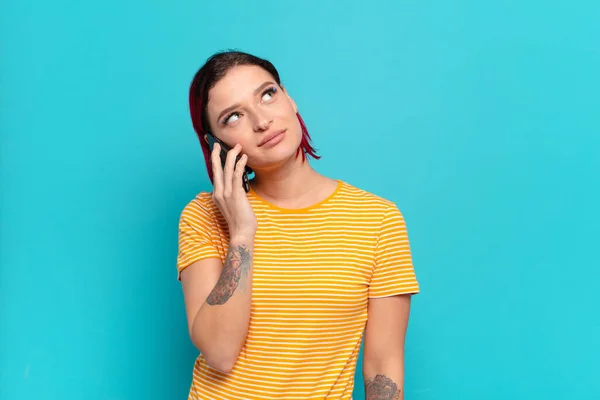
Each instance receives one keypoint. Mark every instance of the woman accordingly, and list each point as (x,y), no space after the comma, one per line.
(280,282)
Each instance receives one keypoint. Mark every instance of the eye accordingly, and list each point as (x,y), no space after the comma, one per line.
(234,116)
(269,93)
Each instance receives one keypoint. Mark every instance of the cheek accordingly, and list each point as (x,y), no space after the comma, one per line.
(289,107)
(295,125)
(288,115)
(241,133)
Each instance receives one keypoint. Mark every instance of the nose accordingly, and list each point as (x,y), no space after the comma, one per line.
(262,122)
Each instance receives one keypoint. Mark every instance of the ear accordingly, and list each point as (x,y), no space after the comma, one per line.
(206,138)
(291,100)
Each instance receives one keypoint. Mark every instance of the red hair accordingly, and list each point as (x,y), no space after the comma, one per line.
(211,72)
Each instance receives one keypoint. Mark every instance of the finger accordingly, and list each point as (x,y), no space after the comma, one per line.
(240,166)
(217,170)
(229,166)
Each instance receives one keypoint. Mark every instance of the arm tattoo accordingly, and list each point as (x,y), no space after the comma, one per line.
(382,388)
(235,269)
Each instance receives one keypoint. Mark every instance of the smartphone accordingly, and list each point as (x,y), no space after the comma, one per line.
(211,139)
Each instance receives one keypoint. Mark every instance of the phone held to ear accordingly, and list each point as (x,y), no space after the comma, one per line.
(211,139)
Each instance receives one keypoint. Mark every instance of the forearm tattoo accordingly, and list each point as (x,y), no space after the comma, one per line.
(235,269)
(382,388)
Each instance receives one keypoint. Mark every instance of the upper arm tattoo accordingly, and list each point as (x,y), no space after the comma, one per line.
(381,388)
(234,274)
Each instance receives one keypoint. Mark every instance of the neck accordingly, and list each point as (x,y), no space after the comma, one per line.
(288,181)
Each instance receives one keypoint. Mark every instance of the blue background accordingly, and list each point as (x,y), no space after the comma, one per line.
(480,119)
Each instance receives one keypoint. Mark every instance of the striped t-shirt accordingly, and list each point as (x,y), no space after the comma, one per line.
(315,269)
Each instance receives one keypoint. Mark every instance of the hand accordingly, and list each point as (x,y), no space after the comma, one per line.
(229,195)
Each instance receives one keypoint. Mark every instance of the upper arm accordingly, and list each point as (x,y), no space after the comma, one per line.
(390,289)
(393,271)
(386,327)
(199,262)
(197,281)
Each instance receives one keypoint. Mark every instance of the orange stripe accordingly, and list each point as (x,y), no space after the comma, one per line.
(314,271)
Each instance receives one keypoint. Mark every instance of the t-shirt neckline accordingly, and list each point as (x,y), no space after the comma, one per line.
(340,183)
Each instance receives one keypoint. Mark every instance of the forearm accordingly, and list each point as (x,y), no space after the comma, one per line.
(221,324)
(384,378)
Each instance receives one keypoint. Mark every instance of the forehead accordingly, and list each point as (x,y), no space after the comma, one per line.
(236,86)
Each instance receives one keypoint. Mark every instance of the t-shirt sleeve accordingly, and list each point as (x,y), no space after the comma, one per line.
(196,224)
(393,272)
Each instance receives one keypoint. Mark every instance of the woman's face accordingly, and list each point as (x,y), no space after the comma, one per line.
(248,107)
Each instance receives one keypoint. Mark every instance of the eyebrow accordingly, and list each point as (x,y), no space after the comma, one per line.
(233,107)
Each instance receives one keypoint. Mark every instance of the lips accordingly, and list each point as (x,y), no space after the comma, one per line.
(270,136)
